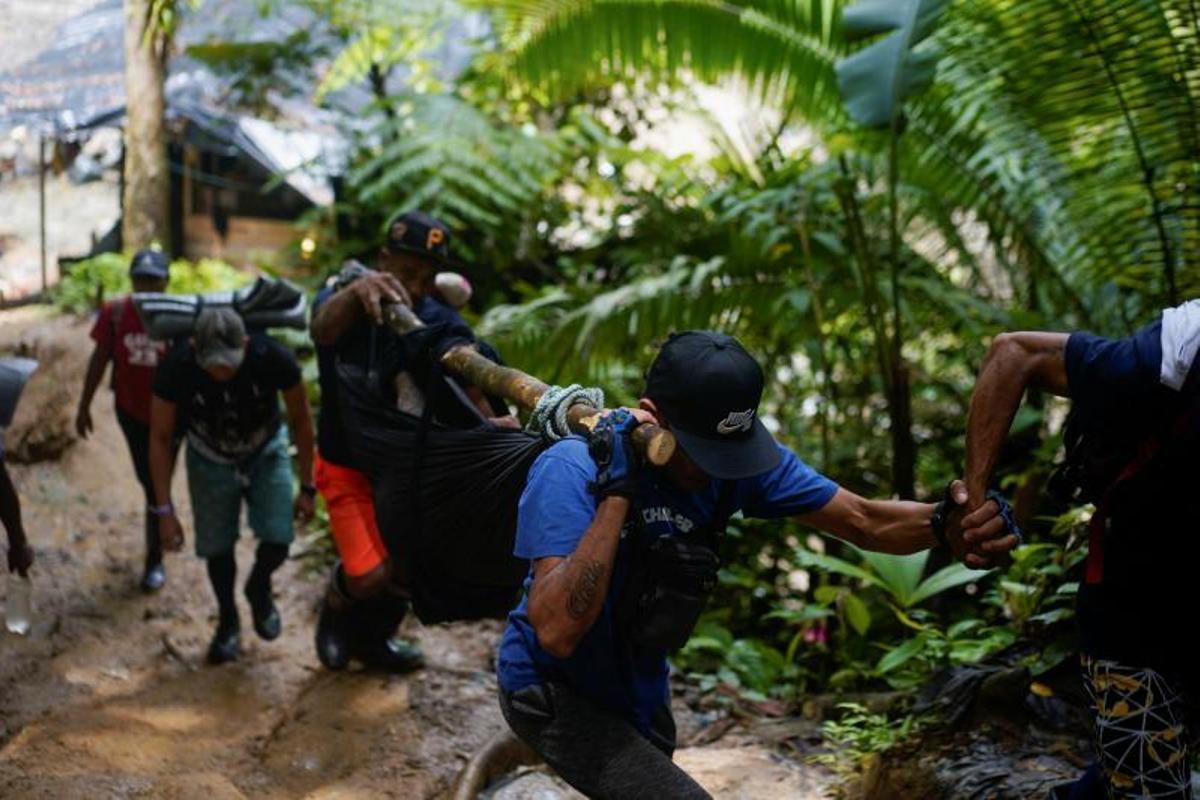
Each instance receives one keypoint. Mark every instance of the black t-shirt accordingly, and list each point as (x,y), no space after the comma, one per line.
(230,420)
(1140,611)
(375,348)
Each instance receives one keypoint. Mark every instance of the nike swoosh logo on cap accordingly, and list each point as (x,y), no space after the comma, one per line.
(737,421)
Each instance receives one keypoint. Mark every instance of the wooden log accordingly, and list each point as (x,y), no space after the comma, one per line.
(499,756)
(655,444)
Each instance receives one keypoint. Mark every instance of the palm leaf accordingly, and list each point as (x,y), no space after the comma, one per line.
(876,80)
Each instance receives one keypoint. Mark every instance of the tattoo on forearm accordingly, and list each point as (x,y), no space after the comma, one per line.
(583,591)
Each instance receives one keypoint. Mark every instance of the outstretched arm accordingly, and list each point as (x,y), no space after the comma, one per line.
(888,526)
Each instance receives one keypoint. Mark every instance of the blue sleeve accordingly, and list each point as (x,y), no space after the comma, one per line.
(432,312)
(791,488)
(323,295)
(556,507)
(1130,367)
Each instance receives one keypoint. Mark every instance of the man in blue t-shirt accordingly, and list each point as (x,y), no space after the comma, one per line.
(1131,443)
(623,557)
(364,603)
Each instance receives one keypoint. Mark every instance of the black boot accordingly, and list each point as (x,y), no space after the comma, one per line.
(333,650)
(226,643)
(267,623)
(374,643)
(153,576)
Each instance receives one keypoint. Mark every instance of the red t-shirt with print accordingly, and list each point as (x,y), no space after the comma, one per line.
(120,333)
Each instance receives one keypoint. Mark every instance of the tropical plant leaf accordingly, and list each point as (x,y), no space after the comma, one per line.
(945,579)
(876,80)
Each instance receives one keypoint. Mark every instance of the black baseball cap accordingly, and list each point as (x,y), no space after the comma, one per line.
(149,264)
(707,388)
(419,233)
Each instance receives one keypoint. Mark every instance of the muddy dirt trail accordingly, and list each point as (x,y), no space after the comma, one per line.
(110,697)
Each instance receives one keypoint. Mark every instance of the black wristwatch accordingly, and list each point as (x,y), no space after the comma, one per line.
(938,523)
(308,489)
(941,513)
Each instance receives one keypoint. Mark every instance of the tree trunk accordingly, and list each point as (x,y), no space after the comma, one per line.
(146,197)
(904,446)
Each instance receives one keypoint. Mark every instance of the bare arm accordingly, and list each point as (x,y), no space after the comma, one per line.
(349,305)
(1016,361)
(162,465)
(567,594)
(300,420)
(888,526)
(162,431)
(97,364)
(20,557)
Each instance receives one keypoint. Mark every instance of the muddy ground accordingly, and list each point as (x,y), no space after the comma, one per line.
(110,697)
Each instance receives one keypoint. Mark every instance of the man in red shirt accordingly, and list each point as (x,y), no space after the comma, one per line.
(121,338)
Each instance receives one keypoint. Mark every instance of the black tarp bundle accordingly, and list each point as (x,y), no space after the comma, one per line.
(266,303)
(446,489)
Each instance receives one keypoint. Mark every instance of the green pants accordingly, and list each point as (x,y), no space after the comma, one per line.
(264,481)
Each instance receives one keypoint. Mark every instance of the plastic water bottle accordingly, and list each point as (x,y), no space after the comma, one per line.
(18,609)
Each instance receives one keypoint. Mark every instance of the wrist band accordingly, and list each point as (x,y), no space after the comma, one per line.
(164,510)
(938,523)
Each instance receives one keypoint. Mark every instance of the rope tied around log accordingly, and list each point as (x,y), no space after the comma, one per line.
(549,416)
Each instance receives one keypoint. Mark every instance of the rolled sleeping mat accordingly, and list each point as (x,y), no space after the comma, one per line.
(14,374)
(266,303)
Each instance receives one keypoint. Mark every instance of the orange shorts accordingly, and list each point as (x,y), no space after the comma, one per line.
(348,497)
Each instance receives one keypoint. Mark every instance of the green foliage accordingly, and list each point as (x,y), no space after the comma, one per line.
(716,656)
(783,49)
(876,80)
(1043,178)
(899,577)
(859,733)
(446,156)
(106,276)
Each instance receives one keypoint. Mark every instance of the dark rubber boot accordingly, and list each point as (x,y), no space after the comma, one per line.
(153,576)
(374,643)
(268,558)
(333,648)
(226,644)
(267,623)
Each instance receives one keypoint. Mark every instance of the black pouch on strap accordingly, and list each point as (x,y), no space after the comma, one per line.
(668,584)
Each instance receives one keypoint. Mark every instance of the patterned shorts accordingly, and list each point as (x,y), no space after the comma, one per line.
(1141,731)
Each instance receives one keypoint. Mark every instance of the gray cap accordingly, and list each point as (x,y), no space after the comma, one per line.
(219,338)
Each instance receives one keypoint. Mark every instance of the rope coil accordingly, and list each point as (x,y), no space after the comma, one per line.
(549,417)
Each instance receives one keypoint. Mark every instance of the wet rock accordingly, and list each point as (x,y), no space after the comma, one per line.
(534,785)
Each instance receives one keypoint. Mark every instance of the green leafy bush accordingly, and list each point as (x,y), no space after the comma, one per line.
(107,275)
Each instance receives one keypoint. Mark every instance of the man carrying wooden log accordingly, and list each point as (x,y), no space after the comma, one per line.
(365,601)
(623,557)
